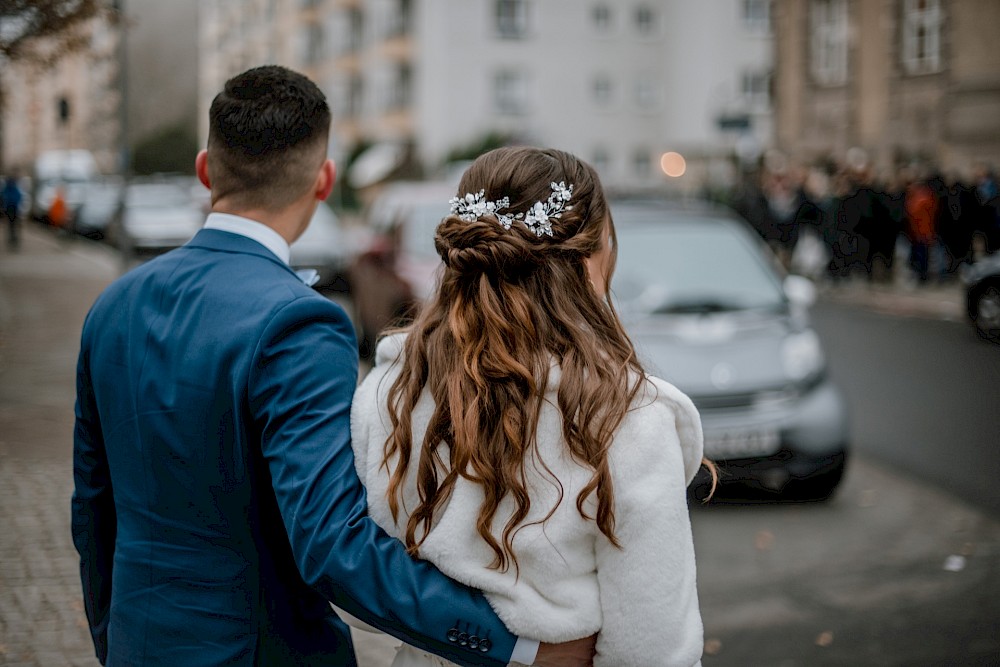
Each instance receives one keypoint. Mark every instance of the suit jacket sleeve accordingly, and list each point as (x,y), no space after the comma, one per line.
(302,381)
(649,597)
(93,517)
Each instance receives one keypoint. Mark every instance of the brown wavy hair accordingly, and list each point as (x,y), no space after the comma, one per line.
(509,305)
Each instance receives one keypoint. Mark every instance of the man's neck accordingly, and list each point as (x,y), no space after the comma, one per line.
(287,222)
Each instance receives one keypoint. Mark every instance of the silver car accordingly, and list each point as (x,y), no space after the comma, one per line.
(710,310)
(982,284)
(158,216)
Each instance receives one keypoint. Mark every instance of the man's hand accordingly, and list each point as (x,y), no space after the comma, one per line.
(577,653)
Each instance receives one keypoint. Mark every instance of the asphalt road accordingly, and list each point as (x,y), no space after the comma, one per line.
(924,397)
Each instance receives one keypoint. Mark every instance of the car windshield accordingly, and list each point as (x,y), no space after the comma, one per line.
(672,262)
(156,196)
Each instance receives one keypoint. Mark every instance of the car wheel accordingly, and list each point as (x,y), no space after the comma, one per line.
(986,313)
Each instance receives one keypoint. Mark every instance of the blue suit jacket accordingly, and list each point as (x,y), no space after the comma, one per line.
(216,505)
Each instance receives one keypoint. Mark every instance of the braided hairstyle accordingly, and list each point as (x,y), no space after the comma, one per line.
(509,304)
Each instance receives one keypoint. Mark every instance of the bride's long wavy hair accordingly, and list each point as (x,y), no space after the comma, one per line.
(510,305)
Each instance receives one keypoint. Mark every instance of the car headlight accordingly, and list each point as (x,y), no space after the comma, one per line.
(802,355)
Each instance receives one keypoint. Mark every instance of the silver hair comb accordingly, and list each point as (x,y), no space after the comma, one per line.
(538,219)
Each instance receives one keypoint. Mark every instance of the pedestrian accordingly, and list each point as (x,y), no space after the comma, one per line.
(921,205)
(58,213)
(216,507)
(510,437)
(10,204)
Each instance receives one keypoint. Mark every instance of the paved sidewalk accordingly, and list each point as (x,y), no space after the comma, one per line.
(902,298)
(45,291)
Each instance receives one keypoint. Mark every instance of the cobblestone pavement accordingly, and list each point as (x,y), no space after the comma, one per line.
(45,291)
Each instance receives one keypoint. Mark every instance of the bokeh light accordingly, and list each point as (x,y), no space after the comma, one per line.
(673,164)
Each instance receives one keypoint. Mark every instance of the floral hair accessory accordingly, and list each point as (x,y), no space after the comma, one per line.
(538,219)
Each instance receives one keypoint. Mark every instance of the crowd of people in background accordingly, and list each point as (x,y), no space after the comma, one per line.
(844,222)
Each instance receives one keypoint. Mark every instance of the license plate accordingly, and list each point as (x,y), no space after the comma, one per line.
(741,444)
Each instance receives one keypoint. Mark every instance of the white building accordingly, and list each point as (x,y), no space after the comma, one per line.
(618,82)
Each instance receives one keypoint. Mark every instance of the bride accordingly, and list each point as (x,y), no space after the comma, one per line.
(510,437)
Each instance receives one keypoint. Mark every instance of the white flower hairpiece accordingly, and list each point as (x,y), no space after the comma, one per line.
(538,219)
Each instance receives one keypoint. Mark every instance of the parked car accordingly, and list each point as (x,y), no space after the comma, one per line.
(710,310)
(326,247)
(400,266)
(100,207)
(72,171)
(158,216)
(982,283)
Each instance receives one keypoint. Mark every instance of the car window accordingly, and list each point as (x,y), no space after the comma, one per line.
(156,196)
(690,264)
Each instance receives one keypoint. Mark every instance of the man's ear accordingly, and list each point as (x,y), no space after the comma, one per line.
(325,179)
(201,168)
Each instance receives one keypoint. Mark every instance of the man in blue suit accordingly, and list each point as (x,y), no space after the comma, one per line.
(216,507)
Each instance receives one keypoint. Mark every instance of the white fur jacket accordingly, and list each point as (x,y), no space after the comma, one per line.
(641,598)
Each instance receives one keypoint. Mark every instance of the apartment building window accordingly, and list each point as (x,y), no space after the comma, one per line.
(312,43)
(645,20)
(602,161)
(603,90)
(512,18)
(647,93)
(756,89)
(355,95)
(601,15)
(356,29)
(641,163)
(396,19)
(757,16)
(921,38)
(829,32)
(510,92)
(400,87)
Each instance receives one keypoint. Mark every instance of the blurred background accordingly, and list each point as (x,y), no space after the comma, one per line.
(807,209)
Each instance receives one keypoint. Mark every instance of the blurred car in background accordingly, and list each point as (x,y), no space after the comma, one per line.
(710,311)
(399,267)
(158,216)
(327,248)
(982,285)
(71,171)
(99,208)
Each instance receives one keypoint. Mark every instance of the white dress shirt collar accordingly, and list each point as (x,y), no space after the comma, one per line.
(252,230)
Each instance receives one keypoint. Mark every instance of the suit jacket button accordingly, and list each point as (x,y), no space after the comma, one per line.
(485,645)
(473,642)
(463,639)
(453,635)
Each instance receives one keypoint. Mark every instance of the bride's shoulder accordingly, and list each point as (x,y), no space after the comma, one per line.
(663,415)
(390,349)
(372,392)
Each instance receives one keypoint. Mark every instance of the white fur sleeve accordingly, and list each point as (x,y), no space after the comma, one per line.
(648,589)
(363,408)
(366,407)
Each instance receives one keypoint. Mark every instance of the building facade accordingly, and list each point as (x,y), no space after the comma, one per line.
(618,83)
(904,81)
(72,104)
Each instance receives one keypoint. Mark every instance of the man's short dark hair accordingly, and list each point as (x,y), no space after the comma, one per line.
(267,137)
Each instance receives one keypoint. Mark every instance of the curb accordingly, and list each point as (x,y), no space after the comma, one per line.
(944,302)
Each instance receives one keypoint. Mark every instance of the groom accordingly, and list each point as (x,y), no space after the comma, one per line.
(216,507)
